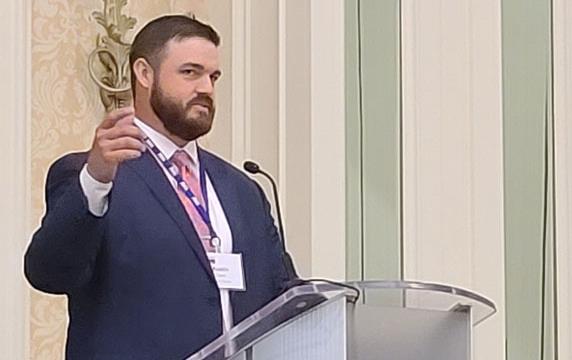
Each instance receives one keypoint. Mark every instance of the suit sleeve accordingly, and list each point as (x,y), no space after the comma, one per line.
(62,254)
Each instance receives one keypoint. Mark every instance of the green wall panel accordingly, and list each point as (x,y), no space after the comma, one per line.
(528,169)
(372,144)
(353,144)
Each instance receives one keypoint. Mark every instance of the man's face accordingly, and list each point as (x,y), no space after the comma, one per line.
(182,94)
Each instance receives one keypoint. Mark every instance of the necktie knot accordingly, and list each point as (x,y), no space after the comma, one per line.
(182,161)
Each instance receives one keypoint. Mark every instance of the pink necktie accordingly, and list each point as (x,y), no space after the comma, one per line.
(183,162)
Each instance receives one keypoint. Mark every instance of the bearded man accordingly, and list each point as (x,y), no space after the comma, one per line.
(135,227)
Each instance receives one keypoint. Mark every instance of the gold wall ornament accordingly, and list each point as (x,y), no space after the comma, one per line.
(111,71)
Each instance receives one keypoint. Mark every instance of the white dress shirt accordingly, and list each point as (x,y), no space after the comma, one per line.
(97,198)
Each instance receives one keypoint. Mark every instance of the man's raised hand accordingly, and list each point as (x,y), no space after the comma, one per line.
(116,139)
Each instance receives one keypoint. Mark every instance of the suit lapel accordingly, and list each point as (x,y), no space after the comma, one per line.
(230,201)
(147,168)
(227,196)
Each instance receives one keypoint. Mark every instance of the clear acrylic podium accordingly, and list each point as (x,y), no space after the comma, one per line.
(397,320)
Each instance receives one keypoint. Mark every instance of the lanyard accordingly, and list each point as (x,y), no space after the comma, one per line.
(182,185)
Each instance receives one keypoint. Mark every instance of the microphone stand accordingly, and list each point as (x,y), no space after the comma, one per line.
(293,278)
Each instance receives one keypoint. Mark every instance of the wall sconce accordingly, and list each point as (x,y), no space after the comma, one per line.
(108,63)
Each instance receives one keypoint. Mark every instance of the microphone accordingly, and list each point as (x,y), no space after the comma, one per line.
(253,168)
(293,278)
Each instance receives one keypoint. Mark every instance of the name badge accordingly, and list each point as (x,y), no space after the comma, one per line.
(228,270)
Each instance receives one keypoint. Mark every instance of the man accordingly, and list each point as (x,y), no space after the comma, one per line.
(132,227)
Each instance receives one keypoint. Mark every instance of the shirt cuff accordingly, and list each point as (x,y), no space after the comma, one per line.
(96,192)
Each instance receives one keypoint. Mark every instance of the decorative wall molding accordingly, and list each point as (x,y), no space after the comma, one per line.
(452,151)
(241,80)
(562,43)
(282,110)
(328,138)
(271,107)
(294,127)
(15,182)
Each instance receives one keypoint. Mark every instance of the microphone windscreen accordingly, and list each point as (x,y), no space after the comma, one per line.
(251,167)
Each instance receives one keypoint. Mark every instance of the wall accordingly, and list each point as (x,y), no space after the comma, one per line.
(14,182)
(288,115)
(562,32)
(424,148)
(529,179)
(453,152)
(373,140)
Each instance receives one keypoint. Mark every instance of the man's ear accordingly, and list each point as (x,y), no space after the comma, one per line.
(143,72)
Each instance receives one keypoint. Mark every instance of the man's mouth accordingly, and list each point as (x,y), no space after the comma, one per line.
(201,107)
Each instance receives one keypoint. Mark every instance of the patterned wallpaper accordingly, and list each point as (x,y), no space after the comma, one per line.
(65,110)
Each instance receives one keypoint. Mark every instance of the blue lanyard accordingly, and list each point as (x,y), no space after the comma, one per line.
(184,187)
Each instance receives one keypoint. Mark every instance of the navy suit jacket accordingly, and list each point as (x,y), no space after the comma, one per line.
(137,279)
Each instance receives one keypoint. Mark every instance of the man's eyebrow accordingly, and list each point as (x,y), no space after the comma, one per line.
(200,67)
(194,65)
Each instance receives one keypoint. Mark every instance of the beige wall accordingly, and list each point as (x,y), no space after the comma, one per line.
(327,131)
(452,152)
(282,118)
(14,185)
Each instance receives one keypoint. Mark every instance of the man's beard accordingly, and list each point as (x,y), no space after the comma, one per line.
(174,115)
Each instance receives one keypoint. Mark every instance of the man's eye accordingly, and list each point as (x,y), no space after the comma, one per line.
(188,72)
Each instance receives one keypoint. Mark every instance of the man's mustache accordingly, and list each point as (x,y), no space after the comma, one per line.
(203,100)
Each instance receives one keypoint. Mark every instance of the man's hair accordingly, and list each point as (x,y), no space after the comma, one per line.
(151,41)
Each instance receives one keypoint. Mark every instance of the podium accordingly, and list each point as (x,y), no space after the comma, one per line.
(397,320)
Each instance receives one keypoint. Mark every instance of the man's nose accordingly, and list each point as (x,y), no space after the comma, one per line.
(205,85)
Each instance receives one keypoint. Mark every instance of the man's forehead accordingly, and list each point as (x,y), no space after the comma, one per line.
(194,50)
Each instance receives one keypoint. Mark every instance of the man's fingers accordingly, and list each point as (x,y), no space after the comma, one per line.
(121,131)
(125,121)
(120,113)
(116,115)
(119,156)
(122,143)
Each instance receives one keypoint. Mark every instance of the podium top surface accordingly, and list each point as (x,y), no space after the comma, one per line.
(425,296)
(305,298)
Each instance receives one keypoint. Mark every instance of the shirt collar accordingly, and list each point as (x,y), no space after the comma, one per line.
(166,146)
